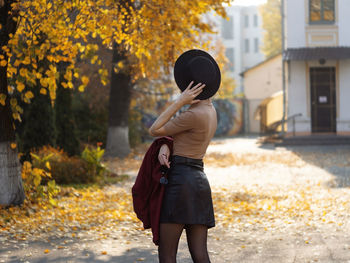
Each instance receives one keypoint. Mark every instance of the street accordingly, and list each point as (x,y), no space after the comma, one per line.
(271,205)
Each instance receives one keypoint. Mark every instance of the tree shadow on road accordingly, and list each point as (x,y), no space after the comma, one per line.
(333,159)
(46,252)
(35,253)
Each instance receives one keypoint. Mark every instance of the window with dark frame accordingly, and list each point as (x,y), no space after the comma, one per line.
(227,28)
(256,20)
(246,21)
(322,11)
(246,45)
(256,45)
(229,52)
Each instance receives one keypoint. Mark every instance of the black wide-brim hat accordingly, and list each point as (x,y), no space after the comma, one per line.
(198,66)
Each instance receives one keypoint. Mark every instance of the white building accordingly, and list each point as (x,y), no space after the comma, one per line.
(317,61)
(242,37)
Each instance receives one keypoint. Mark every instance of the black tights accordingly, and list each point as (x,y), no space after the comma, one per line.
(196,240)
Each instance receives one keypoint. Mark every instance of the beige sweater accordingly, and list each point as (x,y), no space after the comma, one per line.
(193,129)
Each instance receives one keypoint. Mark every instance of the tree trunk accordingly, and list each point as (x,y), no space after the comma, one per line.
(119,102)
(11,188)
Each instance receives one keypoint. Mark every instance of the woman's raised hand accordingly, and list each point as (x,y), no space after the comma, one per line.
(190,93)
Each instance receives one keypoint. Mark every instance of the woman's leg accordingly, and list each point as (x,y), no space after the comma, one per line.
(168,242)
(197,243)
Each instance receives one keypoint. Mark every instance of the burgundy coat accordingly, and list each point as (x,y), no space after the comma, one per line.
(147,192)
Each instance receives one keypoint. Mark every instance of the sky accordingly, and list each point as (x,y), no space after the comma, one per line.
(248,2)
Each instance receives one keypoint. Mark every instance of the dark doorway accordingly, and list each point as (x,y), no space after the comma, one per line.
(323,99)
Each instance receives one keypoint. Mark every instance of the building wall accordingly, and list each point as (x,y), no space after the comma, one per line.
(298,96)
(264,80)
(242,60)
(299,33)
(343,120)
(295,23)
(251,33)
(261,82)
(344,22)
(274,109)
(254,124)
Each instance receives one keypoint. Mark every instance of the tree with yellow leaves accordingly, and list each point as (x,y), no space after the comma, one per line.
(54,31)
(272,24)
(160,32)
(146,37)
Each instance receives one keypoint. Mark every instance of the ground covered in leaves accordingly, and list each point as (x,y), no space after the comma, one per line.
(271,205)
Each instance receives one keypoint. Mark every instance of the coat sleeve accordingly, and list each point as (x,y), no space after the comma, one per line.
(145,181)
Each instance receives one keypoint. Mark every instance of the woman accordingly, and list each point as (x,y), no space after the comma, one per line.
(187,201)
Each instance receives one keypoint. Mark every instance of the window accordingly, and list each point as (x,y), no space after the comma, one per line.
(227,28)
(246,21)
(321,11)
(246,45)
(229,52)
(256,20)
(256,45)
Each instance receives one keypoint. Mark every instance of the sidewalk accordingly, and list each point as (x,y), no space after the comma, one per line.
(272,205)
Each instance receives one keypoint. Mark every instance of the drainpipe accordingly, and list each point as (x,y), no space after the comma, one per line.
(283,70)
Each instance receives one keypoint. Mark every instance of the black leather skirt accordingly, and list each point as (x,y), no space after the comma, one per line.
(187,196)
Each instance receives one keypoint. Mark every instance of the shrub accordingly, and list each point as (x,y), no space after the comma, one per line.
(35,190)
(71,170)
(93,157)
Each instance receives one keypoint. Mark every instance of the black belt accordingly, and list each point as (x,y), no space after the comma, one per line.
(198,163)
(176,159)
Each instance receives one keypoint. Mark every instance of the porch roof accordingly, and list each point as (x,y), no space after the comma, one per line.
(317,53)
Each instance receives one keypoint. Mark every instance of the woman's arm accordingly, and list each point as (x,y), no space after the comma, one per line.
(187,97)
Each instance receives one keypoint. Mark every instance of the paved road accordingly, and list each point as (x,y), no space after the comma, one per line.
(283,205)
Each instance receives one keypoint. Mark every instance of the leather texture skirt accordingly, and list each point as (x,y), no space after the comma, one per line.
(187,196)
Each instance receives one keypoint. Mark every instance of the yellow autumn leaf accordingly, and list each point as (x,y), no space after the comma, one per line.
(2,99)
(16,116)
(81,88)
(47,164)
(64,85)
(13,145)
(44,82)
(13,102)
(85,80)
(43,91)
(23,72)
(29,95)
(104,252)
(3,63)
(68,75)
(26,61)
(46,251)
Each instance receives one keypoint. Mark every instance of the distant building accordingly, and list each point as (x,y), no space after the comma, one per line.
(242,36)
(263,86)
(317,61)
